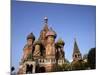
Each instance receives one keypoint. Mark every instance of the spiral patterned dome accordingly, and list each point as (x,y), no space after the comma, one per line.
(60,42)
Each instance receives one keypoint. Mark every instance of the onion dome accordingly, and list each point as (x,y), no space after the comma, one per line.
(51,32)
(60,42)
(31,36)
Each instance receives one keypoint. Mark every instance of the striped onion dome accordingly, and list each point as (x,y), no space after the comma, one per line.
(51,32)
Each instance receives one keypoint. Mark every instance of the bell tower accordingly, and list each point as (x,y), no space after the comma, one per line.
(76,52)
(43,32)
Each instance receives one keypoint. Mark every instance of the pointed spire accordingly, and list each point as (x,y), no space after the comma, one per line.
(76,52)
(46,27)
(76,49)
(46,24)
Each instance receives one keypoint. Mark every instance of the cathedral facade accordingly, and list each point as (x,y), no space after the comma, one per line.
(42,54)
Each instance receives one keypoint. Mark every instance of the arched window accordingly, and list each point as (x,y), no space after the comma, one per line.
(29,68)
(75,56)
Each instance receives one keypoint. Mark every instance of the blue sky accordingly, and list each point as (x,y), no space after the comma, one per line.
(69,22)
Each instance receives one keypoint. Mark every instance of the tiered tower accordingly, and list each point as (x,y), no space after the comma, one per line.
(44,31)
(26,64)
(76,52)
(50,51)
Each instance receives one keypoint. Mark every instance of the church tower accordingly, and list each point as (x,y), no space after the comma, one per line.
(50,51)
(27,65)
(76,52)
(43,32)
(44,54)
(28,47)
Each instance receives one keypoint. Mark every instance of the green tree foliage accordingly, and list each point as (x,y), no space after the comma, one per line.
(84,65)
(64,67)
(79,65)
(92,58)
